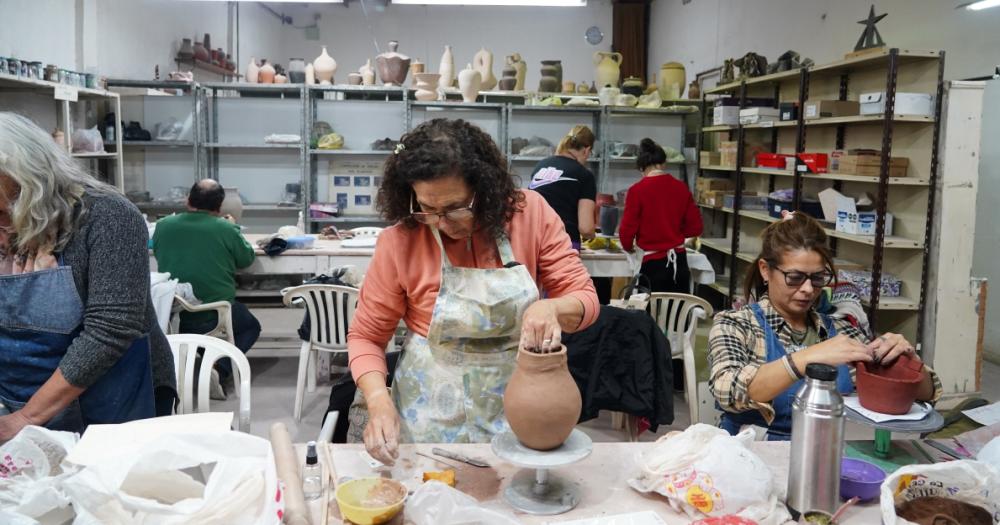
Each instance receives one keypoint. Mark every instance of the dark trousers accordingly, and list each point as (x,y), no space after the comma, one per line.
(661,277)
(246,330)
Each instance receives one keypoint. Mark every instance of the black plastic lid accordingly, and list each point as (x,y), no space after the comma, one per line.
(821,372)
(311,458)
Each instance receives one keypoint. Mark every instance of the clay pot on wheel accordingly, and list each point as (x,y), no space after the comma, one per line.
(889,389)
(542,402)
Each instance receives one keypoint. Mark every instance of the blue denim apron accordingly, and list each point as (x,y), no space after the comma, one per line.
(40,315)
(781,428)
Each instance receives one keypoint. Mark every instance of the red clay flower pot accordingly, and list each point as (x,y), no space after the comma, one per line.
(889,389)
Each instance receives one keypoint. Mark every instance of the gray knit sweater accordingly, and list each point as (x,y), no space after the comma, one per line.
(110,262)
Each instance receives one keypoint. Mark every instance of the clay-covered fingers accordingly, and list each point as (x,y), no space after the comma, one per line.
(888,347)
(382,437)
(853,350)
(540,327)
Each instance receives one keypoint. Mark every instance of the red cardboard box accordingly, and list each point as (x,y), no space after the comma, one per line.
(815,162)
(771,160)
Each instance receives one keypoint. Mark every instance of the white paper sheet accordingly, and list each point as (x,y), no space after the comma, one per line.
(917,412)
(985,415)
(101,441)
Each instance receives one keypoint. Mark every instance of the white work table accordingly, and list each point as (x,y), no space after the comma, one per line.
(328,253)
(602,477)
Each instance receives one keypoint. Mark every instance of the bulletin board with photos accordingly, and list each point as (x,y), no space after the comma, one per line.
(353,184)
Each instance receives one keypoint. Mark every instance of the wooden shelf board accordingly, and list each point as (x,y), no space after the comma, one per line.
(895,181)
(712,129)
(718,168)
(894,303)
(774,77)
(868,119)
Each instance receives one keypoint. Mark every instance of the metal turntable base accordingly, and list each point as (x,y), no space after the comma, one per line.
(534,490)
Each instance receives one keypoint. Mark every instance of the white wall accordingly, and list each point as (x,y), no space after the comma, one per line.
(423,31)
(40,30)
(987,247)
(705,32)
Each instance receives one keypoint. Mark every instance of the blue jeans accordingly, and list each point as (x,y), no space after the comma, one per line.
(246,330)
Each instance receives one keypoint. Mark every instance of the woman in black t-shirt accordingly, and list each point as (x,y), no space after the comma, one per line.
(568,185)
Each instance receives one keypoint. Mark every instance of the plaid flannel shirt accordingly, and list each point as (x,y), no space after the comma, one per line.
(737,349)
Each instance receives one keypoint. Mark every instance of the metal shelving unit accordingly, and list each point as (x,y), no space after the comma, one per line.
(883,70)
(67,100)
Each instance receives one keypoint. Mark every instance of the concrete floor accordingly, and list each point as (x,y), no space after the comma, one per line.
(273,372)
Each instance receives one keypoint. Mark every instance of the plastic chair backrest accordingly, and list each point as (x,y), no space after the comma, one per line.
(366,231)
(223,309)
(185,349)
(331,310)
(679,313)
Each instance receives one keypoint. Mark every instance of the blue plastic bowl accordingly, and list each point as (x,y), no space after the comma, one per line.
(860,478)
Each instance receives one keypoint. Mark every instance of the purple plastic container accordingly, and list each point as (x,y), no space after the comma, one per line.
(860,478)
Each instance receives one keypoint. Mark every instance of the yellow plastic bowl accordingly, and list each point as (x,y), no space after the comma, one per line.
(355,499)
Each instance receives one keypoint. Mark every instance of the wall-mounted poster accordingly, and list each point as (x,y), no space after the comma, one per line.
(351,184)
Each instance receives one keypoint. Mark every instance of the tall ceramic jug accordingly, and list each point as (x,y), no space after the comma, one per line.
(542,402)
(608,69)
(447,68)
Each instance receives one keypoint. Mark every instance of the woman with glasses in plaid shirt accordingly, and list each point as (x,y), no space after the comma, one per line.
(462,267)
(758,354)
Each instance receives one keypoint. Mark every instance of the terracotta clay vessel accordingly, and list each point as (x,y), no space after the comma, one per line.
(542,402)
(393,66)
(267,73)
(889,389)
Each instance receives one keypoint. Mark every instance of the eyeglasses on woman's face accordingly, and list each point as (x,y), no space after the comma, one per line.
(795,278)
(432,218)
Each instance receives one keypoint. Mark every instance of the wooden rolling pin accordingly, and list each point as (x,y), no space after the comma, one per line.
(287,464)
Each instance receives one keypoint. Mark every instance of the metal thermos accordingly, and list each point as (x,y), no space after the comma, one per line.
(817,443)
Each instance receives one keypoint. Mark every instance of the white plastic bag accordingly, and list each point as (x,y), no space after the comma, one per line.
(88,141)
(195,478)
(31,475)
(966,480)
(704,471)
(435,503)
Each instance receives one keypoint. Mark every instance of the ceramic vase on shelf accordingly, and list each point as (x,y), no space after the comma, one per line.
(608,68)
(280,79)
(568,86)
(310,74)
(186,52)
(522,70)
(694,90)
(354,79)
(542,402)
(483,62)
(267,73)
(416,67)
(469,82)
(324,67)
(367,74)
(508,80)
(393,66)
(207,41)
(296,71)
(672,80)
(253,71)
(222,58)
(201,52)
(633,86)
(427,86)
(230,65)
(550,82)
(447,68)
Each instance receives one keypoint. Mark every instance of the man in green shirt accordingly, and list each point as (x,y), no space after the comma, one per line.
(202,248)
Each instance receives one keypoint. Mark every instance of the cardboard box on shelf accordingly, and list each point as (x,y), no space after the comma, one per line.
(813,162)
(725,115)
(854,222)
(709,158)
(889,285)
(915,104)
(750,201)
(789,111)
(816,109)
(772,160)
(714,198)
(871,165)
(749,102)
(758,115)
(728,150)
(713,184)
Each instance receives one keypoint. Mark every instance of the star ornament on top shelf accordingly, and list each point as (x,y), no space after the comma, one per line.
(870,38)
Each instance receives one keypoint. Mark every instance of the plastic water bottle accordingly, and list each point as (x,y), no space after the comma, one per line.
(817,443)
(312,474)
(301,224)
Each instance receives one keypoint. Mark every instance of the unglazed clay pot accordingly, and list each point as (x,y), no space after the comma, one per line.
(267,73)
(483,62)
(542,402)
(550,82)
(186,52)
(393,66)
(469,81)
(354,79)
(447,68)
(416,67)
(367,74)
(253,71)
(508,81)
(201,52)
(522,70)
(608,68)
(324,67)
(889,389)
(672,81)
(310,74)
(427,86)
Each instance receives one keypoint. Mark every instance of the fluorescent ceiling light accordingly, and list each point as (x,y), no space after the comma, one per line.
(982,4)
(527,3)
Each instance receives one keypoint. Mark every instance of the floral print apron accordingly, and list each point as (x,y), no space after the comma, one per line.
(448,386)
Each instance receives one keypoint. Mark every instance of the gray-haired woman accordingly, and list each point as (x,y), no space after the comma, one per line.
(76,320)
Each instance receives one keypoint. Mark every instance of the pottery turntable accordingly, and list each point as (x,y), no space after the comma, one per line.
(534,490)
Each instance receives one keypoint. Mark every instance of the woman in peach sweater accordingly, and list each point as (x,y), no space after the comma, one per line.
(462,267)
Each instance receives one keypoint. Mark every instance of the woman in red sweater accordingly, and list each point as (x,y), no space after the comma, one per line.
(659,214)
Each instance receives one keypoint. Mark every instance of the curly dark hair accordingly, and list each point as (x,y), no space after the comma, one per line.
(445,147)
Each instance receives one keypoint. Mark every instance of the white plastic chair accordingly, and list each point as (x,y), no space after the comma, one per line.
(678,314)
(366,231)
(185,349)
(331,309)
(224,328)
